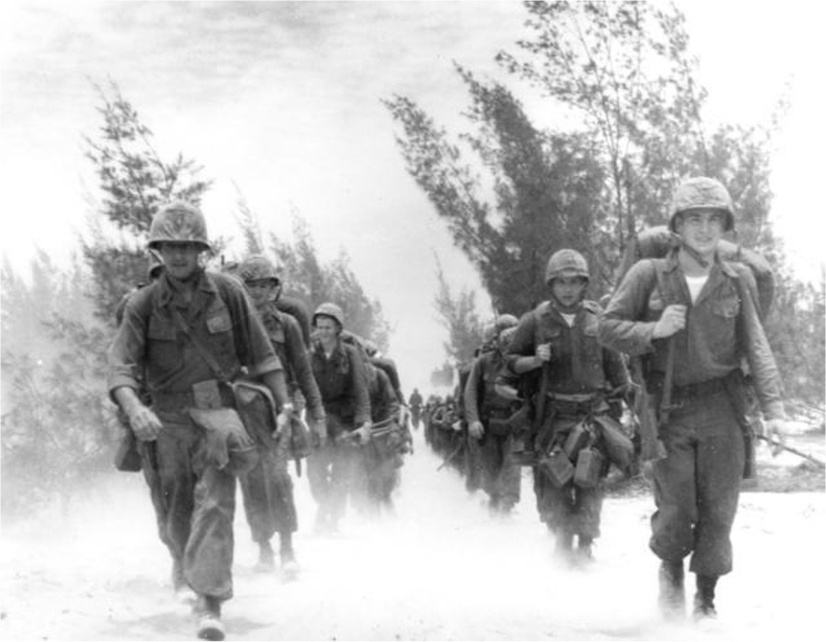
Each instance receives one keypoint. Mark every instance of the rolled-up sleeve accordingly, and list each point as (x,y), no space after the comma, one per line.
(125,355)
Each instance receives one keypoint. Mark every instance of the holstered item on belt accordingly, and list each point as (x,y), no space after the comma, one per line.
(578,437)
(228,445)
(736,390)
(589,464)
(499,427)
(557,467)
(618,447)
(520,421)
(257,409)
(127,457)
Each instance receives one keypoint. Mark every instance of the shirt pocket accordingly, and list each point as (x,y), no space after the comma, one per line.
(722,321)
(220,336)
(163,346)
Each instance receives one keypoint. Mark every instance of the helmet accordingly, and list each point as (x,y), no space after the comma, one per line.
(702,192)
(258,268)
(507,335)
(505,321)
(329,310)
(566,262)
(155,267)
(178,221)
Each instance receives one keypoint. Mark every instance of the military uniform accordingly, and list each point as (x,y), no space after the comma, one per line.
(267,489)
(383,455)
(194,499)
(696,487)
(578,376)
(333,468)
(500,472)
(697,482)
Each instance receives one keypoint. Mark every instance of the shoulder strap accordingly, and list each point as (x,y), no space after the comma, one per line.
(200,347)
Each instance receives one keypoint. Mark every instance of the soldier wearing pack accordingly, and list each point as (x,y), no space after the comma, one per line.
(335,467)
(267,489)
(489,409)
(571,375)
(694,318)
(185,337)
(383,456)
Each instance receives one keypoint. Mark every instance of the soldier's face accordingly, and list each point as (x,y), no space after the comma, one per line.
(568,290)
(180,259)
(327,329)
(261,290)
(701,229)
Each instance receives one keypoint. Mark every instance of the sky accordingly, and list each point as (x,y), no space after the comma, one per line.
(281,104)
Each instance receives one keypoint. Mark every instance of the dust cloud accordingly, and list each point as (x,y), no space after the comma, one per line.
(440,568)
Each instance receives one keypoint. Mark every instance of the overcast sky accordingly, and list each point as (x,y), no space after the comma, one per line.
(282,102)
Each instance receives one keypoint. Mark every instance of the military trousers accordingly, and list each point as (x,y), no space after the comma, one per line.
(697,484)
(194,504)
(570,509)
(336,471)
(267,492)
(499,474)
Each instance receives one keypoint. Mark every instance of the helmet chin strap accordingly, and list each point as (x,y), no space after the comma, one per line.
(677,241)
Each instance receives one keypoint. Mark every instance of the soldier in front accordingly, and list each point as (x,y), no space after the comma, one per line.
(694,319)
(185,336)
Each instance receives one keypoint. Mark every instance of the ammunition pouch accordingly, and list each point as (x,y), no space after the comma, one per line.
(589,467)
(127,457)
(618,446)
(228,445)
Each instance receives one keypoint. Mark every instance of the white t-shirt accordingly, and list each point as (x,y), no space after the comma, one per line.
(569,318)
(695,285)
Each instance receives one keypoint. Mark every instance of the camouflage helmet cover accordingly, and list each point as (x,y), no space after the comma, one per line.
(702,192)
(566,262)
(179,222)
(155,266)
(258,268)
(329,310)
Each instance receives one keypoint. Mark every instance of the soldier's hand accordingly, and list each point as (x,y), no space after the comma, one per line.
(476,429)
(364,433)
(671,322)
(543,351)
(145,423)
(776,431)
(319,428)
(282,423)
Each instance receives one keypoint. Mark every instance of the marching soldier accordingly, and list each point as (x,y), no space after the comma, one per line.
(489,412)
(335,467)
(185,336)
(267,489)
(694,318)
(571,373)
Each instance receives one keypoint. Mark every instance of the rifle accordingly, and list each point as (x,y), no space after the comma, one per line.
(778,444)
(452,455)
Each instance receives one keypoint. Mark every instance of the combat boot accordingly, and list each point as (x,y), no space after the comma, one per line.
(564,545)
(289,565)
(266,557)
(585,549)
(208,614)
(704,597)
(672,589)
